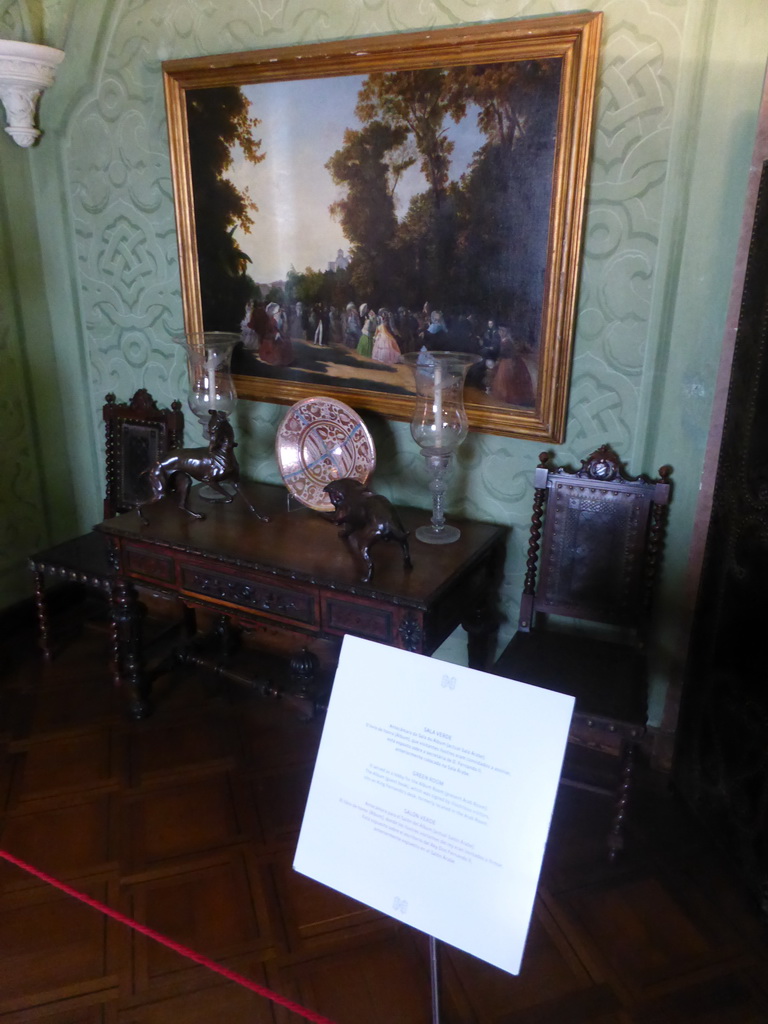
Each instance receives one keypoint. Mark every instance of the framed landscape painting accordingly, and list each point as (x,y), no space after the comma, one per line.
(340,205)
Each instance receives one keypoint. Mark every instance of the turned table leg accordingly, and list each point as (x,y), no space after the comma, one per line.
(126,617)
(481,641)
(481,621)
(481,625)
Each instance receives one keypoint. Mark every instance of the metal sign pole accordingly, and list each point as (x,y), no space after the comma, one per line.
(435,979)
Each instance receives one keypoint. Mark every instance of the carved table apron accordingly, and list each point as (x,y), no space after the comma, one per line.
(295,574)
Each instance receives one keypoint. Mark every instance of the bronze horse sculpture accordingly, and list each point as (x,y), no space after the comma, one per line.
(214,466)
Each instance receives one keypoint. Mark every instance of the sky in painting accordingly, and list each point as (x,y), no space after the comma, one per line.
(302,125)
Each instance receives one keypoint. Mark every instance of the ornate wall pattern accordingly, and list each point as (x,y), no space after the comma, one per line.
(14,19)
(23,523)
(117,170)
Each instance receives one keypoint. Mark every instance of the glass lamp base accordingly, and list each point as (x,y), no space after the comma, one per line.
(445,535)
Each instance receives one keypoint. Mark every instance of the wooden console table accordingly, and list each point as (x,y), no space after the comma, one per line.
(295,576)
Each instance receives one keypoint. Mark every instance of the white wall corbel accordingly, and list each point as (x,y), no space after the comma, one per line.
(26,69)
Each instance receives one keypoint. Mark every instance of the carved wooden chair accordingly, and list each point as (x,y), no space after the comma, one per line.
(137,434)
(593,552)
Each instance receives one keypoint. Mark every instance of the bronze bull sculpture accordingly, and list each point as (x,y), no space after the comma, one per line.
(366,518)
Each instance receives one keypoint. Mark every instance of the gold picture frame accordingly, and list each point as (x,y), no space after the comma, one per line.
(495,174)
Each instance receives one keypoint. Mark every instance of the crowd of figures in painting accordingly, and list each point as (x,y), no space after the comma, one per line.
(506,367)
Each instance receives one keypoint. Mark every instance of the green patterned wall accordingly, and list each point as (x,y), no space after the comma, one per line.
(651,307)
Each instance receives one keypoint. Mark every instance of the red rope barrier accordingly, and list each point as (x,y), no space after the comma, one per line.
(184,951)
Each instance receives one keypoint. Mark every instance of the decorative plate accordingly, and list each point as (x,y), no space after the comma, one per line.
(318,441)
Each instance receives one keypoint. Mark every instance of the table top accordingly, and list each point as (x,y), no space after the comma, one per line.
(302,544)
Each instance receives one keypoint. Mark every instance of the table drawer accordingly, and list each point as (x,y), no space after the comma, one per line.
(263,594)
(148,563)
(346,615)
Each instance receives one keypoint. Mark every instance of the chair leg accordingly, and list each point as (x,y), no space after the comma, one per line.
(616,834)
(42,615)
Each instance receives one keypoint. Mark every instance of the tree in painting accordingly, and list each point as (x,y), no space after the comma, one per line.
(367,214)
(508,190)
(476,244)
(219,119)
(415,105)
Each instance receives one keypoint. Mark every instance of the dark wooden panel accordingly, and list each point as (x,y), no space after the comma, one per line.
(183,819)
(58,835)
(215,907)
(36,930)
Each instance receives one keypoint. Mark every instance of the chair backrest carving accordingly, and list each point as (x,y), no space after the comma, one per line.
(595,542)
(138,433)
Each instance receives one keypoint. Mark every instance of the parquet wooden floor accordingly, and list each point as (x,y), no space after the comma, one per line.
(187,823)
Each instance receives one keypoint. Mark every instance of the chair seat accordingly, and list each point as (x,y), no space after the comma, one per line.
(137,434)
(83,559)
(607,679)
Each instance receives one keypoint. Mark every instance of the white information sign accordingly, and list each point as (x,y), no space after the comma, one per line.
(432,796)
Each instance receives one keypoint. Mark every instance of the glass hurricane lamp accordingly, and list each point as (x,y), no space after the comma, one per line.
(209,360)
(438,426)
